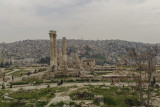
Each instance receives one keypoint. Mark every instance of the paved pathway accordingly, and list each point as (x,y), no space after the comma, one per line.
(15,70)
(26,87)
(8,75)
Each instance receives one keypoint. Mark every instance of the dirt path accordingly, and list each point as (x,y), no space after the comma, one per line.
(20,78)
(15,70)
(9,76)
(63,96)
(59,98)
(27,87)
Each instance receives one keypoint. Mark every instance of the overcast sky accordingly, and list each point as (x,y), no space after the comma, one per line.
(132,20)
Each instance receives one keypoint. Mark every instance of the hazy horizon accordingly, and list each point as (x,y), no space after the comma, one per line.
(80,39)
(129,20)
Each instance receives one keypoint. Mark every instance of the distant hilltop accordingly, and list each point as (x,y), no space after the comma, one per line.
(104,51)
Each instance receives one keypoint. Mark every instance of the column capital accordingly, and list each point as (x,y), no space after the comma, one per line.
(52,33)
(55,36)
(64,38)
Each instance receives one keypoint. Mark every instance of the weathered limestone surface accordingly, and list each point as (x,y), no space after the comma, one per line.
(98,98)
(60,58)
(51,33)
(77,62)
(64,52)
(53,49)
(70,63)
(59,63)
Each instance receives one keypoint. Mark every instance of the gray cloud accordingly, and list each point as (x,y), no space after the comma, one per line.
(133,20)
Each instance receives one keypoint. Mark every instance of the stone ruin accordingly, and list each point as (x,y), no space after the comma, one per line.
(83,95)
(99,99)
(60,64)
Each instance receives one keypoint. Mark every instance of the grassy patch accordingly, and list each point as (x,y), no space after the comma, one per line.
(111,98)
(126,66)
(18,73)
(47,93)
(41,103)
(81,80)
(12,104)
(9,69)
(60,104)
(20,82)
(2,92)
(101,73)
(157,67)
(32,98)
(31,80)
(132,101)
(84,95)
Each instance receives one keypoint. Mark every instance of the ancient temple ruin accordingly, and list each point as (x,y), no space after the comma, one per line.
(60,62)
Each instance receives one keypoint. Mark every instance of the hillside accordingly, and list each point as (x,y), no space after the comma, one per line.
(104,51)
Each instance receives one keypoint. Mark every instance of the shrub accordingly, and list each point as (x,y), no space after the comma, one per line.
(36,94)
(109,101)
(131,101)
(20,83)
(41,103)
(60,104)
(12,104)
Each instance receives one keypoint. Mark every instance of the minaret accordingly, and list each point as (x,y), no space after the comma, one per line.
(64,52)
(53,49)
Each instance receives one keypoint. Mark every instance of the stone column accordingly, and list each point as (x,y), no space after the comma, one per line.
(0,55)
(55,48)
(60,58)
(64,52)
(70,62)
(51,33)
(77,61)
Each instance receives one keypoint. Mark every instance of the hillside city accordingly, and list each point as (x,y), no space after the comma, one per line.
(29,52)
(79,53)
(50,73)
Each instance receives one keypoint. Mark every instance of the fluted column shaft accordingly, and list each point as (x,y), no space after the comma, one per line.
(51,50)
(64,52)
(55,48)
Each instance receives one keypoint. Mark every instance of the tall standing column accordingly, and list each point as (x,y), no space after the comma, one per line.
(77,61)
(55,48)
(64,52)
(51,33)
(60,58)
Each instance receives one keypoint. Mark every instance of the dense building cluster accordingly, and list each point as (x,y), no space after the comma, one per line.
(29,52)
